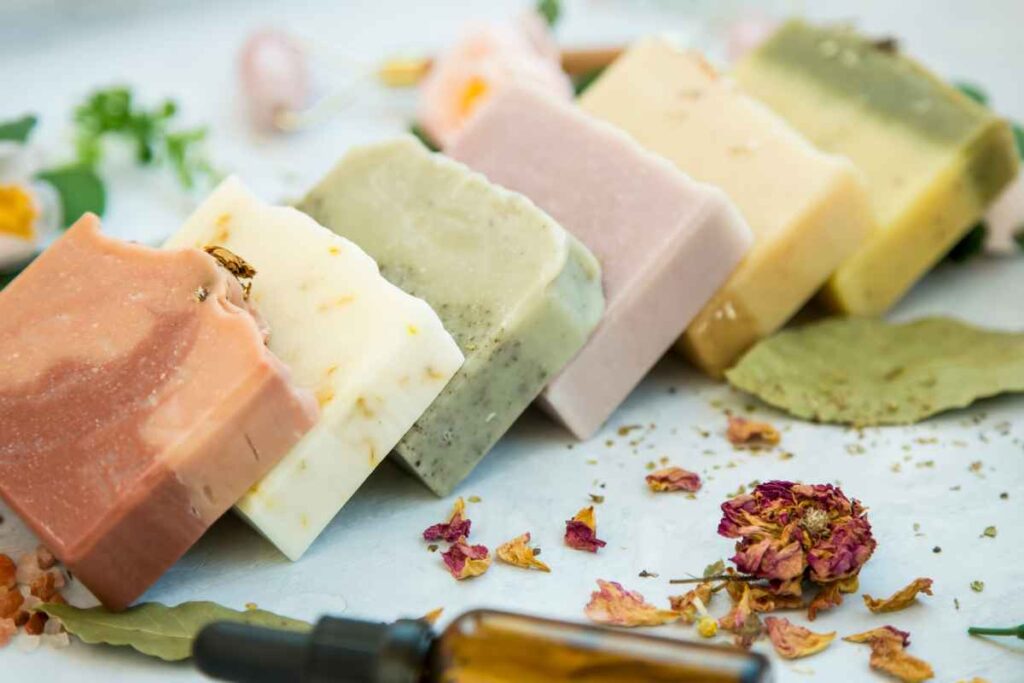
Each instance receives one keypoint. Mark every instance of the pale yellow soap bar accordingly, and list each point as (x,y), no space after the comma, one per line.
(808,210)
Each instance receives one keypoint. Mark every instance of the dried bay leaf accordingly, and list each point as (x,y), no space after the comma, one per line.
(158,630)
(863,372)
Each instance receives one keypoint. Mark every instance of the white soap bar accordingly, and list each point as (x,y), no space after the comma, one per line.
(374,356)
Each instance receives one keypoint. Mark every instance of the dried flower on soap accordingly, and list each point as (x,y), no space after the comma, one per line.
(465,561)
(742,621)
(792,641)
(888,654)
(673,479)
(902,598)
(581,531)
(790,532)
(750,434)
(455,528)
(686,604)
(518,553)
(613,604)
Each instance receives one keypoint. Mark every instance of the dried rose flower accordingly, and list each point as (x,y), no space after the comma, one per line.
(673,479)
(902,598)
(792,641)
(686,604)
(581,531)
(887,654)
(613,604)
(789,532)
(518,553)
(751,434)
(455,528)
(466,561)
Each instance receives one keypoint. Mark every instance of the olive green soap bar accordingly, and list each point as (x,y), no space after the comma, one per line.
(933,158)
(518,293)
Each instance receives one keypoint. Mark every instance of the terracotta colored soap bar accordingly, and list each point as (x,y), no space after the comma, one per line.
(666,243)
(809,210)
(138,402)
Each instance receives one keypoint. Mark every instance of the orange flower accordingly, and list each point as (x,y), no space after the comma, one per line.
(901,598)
(613,604)
(792,641)
(518,553)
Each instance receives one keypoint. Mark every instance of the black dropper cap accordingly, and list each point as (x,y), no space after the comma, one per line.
(336,651)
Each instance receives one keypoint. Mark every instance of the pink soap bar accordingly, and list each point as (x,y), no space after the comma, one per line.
(666,242)
(138,402)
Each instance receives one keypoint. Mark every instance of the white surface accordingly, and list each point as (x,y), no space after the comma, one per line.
(370,561)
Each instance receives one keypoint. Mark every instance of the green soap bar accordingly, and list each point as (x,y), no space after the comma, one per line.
(933,158)
(518,293)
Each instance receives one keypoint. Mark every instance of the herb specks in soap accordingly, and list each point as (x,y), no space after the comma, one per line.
(201,293)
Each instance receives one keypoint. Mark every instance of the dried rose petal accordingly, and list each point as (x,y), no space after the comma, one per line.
(686,604)
(432,616)
(673,479)
(888,655)
(613,604)
(792,641)
(8,572)
(465,561)
(828,596)
(581,531)
(901,598)
(455,528)
(750,434)
(765,600)
(743,621)
(7,630)
(518,553)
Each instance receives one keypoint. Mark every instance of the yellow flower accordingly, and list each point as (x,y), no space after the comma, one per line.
(707,626)
(18,212)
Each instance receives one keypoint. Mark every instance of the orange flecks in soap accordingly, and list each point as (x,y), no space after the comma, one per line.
(17,212)
(476,88)
(334,251)
(337,303)
(413,330)
(364,407)
(324,395)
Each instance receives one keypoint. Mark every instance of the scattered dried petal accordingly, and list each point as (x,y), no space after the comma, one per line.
(28,568)
(8,572)
(765,600)
(465,561)
(901,598)
(888,655)
(751,434)
(686,604)
(673,479)
(792,641)
(455,528)
(581,531)
(881,633)
(432,616)
(743,621)
(613,604)
(518,553)
(829,595)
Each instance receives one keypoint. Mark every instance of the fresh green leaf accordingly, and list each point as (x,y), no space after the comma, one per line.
(974,92)
(970,244)
(158,630)
(18,130)
(551,10)
(581,83)
(1018,237)
(714,569)
(868,372)
(1018,137)
(417,130)
(186,158)
(80,190)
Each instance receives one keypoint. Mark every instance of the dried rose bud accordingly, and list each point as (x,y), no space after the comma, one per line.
(455,528)
(673,479)
(581,531)
(466,561)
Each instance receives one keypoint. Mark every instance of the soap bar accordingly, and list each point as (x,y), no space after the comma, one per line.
(809,210)
(665,242)
(933,158)
(519,294)
(138,402)
(374,356)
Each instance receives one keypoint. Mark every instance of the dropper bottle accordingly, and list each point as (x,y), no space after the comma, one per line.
(481,646)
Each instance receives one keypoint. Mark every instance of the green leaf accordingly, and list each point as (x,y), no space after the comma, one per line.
(551,10)
(417,130)
(714,569)
(974,92)
(1018,237)
(18,130)
(80,190)
(1018,137)
(158,630)
(869,372)
(581,83)
(969,245)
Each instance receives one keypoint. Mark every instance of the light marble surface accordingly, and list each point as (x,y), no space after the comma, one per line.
(370,561)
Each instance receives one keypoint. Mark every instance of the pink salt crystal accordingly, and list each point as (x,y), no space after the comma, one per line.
(274,76)
(138,402)
(666,242)
(7,631)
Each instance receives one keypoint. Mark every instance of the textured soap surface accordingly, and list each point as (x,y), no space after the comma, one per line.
(932,157)
(138,402)
(809,210)
(518,293)
(374,356)
(665,242)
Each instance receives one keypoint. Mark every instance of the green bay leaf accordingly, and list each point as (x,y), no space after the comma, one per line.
(80,190)
(865,372)
(158,630)
(18,130)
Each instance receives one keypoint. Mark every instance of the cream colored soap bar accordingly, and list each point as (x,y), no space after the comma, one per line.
(933,158)
(808,210)
(374,356)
